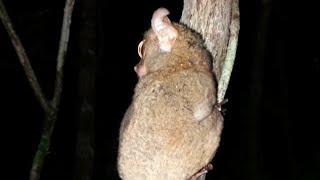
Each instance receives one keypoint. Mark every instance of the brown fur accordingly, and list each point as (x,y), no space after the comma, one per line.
(171,129)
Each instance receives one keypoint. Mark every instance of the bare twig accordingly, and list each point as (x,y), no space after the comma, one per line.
(51,117)
(24,60)
(65,31)
(50,108)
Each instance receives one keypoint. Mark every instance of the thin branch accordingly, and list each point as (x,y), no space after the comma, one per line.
(44,145)
(63,46)
(51,117)
(50,108)
(24,60)
(231,52)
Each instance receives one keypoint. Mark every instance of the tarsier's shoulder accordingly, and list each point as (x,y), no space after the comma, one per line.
(191,77)
(195,75)
(190,35)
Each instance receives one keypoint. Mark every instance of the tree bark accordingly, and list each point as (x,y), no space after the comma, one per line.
(218,23)
(211,18)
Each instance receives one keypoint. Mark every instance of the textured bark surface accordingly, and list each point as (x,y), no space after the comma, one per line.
(211,18)
(218,22)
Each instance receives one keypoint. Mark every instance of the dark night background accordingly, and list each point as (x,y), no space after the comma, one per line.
(270,129)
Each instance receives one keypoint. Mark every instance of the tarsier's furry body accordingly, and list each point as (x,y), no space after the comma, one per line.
(172,128)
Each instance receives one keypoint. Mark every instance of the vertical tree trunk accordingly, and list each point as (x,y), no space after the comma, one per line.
(218,23)
(84,160)
(211,18)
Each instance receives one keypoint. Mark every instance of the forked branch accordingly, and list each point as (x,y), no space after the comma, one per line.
(50,107)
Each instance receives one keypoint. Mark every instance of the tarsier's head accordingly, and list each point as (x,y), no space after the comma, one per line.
(169,44)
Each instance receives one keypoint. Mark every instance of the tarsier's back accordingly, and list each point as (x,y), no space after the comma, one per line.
(172,129)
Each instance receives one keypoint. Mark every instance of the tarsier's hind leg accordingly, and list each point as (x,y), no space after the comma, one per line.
(202,171)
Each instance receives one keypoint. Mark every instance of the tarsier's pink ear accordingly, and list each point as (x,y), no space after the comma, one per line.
(164,29)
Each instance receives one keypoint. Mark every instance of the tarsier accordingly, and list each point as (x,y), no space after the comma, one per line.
(172,128)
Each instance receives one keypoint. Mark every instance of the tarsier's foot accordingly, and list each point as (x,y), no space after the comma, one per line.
(202,171)
(220,108)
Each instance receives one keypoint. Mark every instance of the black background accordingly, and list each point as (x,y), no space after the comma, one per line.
(270,129)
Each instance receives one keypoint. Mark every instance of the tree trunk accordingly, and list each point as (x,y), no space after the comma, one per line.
(84,160)
(218,23)
(211,18)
